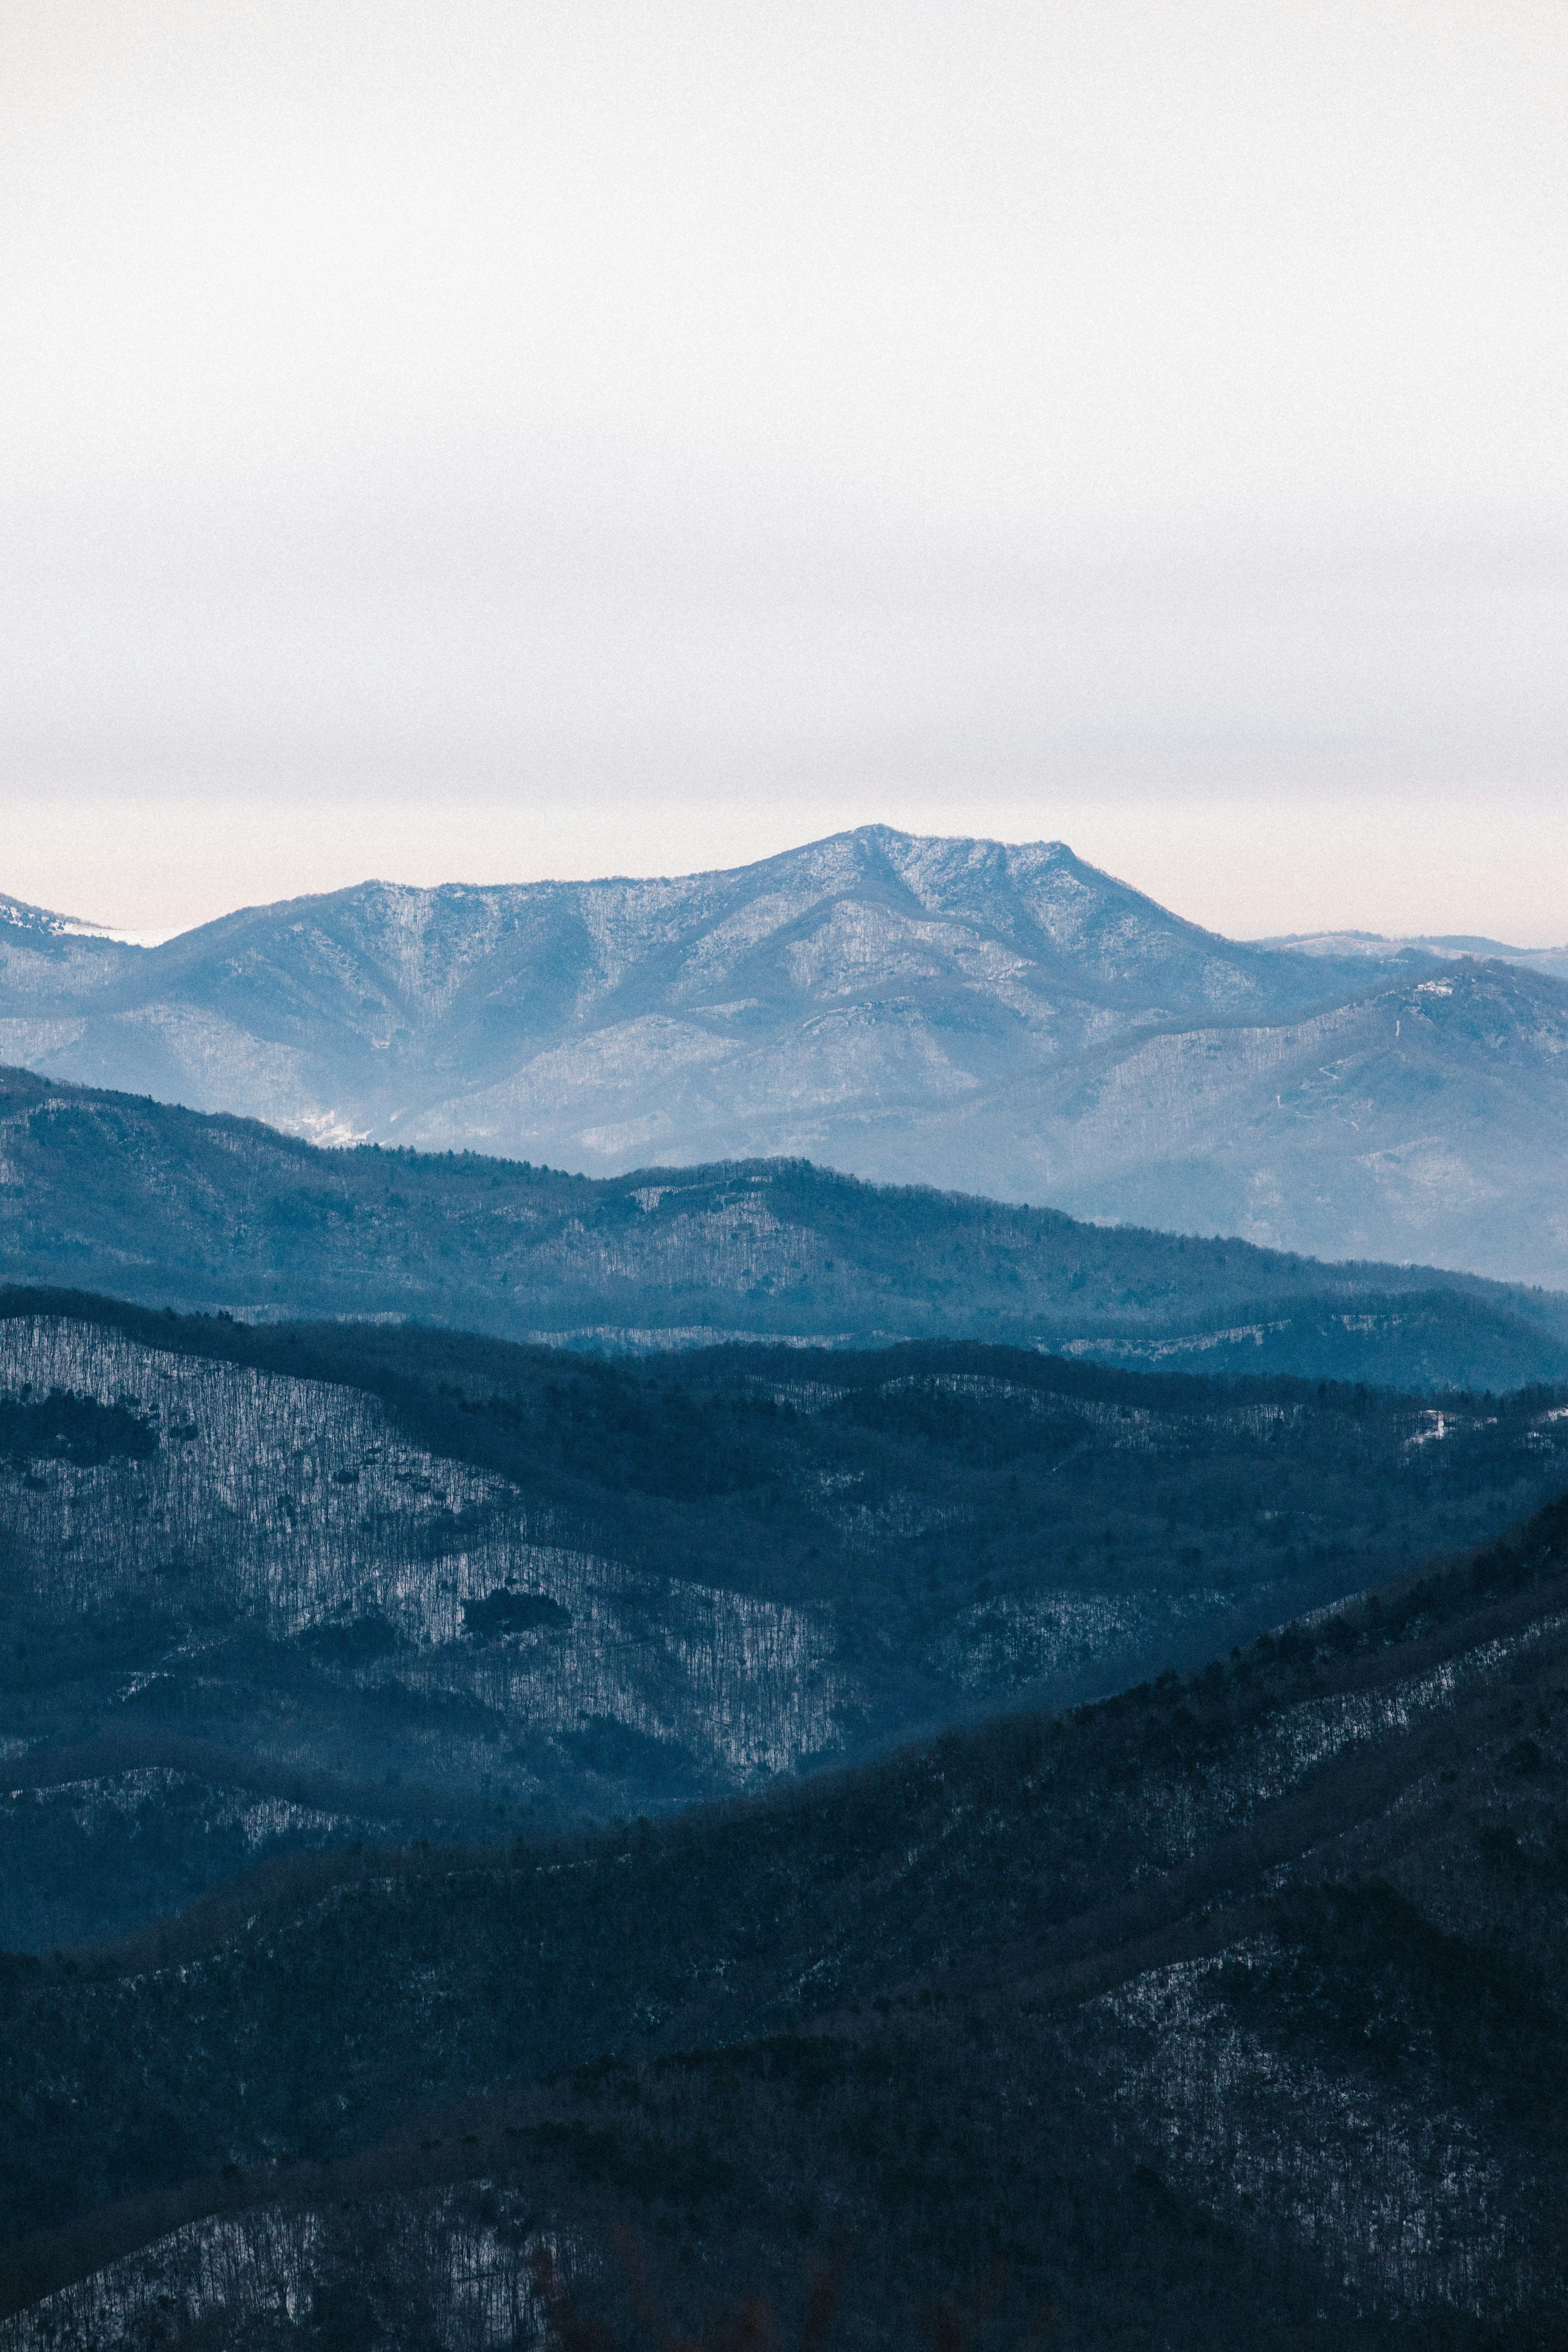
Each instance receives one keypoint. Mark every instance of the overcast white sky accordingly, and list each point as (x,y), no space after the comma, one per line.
(483,442)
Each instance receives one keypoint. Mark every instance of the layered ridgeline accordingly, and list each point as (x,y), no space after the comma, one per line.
(1226,2014)
(299,1586)
(1374,947)
(949,1013)
(169,1207)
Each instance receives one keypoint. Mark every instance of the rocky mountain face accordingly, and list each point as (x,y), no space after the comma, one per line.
(951,1013)
(185,1210)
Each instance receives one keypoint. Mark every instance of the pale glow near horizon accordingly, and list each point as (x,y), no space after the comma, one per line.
(515,441)
(1400,865)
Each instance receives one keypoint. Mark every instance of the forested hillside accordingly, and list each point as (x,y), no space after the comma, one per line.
(121,1194)
(299,1584)
(1226,2013)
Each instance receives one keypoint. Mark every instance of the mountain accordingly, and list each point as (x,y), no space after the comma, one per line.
(949,1013)
(299,1585)
(1228,2013)
(1450,946)
(175,1208)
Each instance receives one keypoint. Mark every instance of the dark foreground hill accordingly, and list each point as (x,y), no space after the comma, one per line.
(295,1585)
(1229,2012)
(118,1193)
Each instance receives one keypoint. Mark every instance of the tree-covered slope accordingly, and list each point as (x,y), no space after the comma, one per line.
(1228,2012)
(272,1586)
(145,1201)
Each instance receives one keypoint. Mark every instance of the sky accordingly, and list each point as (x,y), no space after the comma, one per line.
(486,442)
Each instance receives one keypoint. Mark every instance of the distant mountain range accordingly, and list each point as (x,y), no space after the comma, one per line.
(1377,949)
(174,1207)
(1007,1020)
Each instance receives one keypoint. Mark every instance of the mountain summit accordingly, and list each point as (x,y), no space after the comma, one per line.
(998,1017)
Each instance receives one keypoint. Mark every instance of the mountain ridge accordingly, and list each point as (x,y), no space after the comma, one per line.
(272,1585)
(1378,947)
(911,1009)
(192,1209)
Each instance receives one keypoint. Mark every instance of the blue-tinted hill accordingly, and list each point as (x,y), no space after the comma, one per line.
(169,1207)
(1001,1019)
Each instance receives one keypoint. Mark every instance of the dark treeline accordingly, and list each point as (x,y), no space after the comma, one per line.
(68,1428)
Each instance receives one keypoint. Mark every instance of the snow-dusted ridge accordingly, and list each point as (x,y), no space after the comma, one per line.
(1002,1017)
(306,1514)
